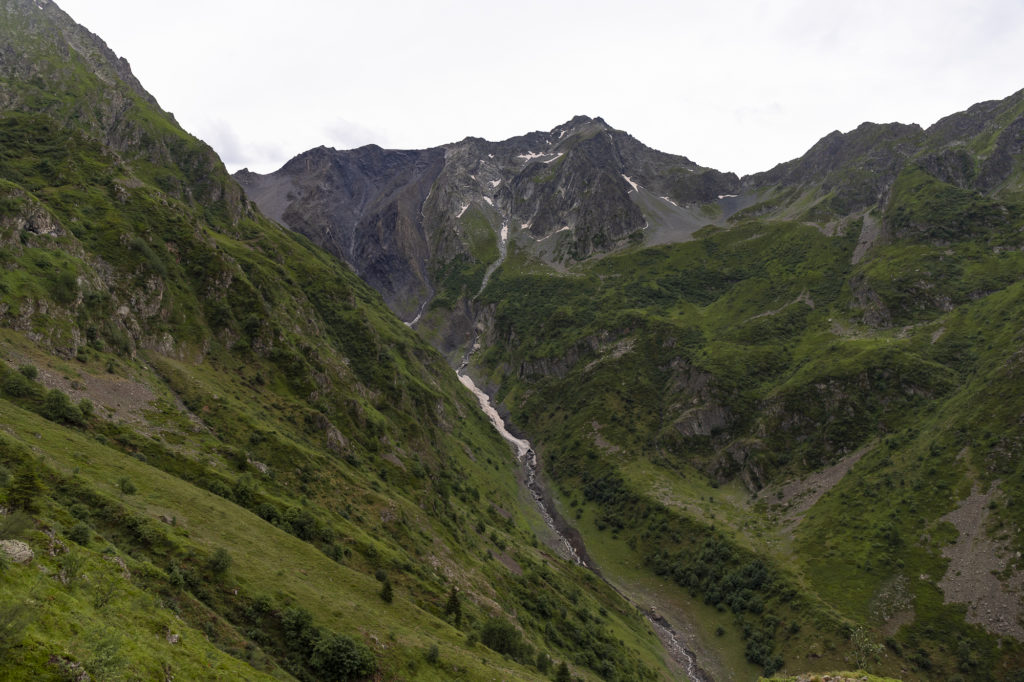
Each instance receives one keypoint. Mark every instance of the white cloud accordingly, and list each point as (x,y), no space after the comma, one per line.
(738,85)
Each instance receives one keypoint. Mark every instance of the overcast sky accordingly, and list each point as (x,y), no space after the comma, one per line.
(738,86)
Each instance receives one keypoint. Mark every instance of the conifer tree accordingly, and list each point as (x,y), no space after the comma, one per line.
(453,609)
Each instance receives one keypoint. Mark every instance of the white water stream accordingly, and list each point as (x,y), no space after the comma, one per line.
(528,460)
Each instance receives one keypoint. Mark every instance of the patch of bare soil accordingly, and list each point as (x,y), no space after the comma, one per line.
(974,561)
(510,563)
(797,497)
(893,605)
(600,442)
(122,399)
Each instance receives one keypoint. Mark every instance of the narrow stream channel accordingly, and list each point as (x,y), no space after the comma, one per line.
(574,550)
(568,540)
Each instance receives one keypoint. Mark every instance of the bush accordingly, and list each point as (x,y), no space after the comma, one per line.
(29,372)
(500,635)
(386,592)
(15,525)
(299,632)
(126,486)
(24,489)
(453,609)
(80,533)
(57,407)
(337,657)
(17,386)
(220,562)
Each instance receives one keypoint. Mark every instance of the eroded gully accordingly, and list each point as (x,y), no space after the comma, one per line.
(567,540)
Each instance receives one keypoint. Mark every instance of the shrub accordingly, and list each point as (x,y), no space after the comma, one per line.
(126,486)
(17,386)
(501,636)
(245,490)
(337,657)
(15,525)
(57,407)
(220,562)
(386,592)
(29,372)
(299,632)
(15,617)
(80,533)
(453,609)
(24,489)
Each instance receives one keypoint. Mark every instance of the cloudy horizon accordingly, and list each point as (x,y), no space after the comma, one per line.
(737,86)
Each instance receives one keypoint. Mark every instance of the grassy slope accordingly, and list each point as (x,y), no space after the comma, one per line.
(645,337)
(271,407)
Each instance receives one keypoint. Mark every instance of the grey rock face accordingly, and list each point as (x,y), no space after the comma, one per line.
(402,218)
(363,206)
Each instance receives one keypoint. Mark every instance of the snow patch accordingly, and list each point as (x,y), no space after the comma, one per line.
(561,229)
(462,210)
(529,156)
(636,188)
(490,156)
(489,202)
(504,232)
(495,183)
(727,196)
(561,134)
(556,158)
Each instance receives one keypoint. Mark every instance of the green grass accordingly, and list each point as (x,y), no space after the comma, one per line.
(759,326)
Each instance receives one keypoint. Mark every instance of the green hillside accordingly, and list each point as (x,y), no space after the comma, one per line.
(228,459)
(793,435)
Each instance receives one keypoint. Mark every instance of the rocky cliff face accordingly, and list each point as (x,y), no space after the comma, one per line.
(362,206)
(405,219)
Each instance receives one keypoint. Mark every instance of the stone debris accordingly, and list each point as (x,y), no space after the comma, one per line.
(17,551)
(125,573)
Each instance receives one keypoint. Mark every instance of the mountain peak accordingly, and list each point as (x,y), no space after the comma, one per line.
(581,120)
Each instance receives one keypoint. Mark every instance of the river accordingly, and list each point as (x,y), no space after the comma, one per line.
(574,550)
(567,540)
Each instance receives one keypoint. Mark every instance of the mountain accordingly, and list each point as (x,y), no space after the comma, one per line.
(783,408)
(420,224)
(221,455)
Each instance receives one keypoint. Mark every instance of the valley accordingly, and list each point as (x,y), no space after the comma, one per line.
(735,363)
(561,406)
